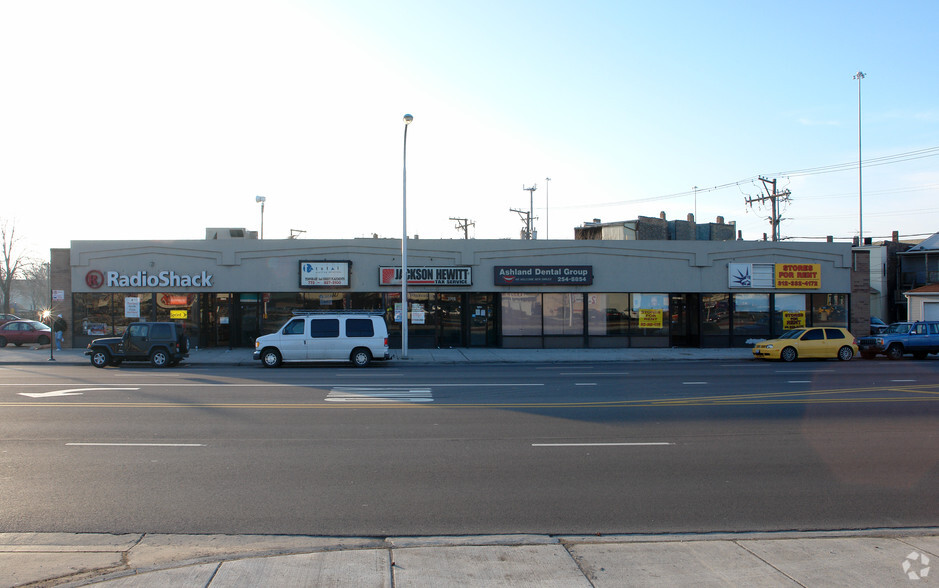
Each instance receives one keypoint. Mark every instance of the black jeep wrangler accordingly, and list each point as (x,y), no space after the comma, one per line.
(162,344)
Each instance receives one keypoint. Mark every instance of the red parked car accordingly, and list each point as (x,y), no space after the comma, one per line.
(24,332)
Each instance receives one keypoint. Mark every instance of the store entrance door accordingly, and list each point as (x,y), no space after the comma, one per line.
(216,320)
(685,312)
(482,320)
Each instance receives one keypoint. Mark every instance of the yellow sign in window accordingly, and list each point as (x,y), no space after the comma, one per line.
(179,314)
(650,318)
(793,320)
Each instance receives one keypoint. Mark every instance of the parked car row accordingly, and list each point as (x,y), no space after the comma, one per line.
(918,339)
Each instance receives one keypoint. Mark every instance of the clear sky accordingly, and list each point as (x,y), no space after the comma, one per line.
(155,120)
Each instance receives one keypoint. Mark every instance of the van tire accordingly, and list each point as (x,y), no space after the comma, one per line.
(361,357)
(270,358)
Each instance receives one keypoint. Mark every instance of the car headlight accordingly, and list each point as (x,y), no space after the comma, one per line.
(880,342)
(770,346)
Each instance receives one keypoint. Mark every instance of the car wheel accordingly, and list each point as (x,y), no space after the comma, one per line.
(3,342)
(100,358)
(868,355)
(159,358)
(270,358)
(894,352)
(42,340)
(361,357)
(788,354)
(845,353)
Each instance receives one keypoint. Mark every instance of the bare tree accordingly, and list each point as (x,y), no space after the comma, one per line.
(12,259)
(35,281)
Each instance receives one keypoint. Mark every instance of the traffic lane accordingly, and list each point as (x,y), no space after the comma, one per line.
(529,474)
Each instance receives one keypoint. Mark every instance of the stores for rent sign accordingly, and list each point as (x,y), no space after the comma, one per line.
(799,275)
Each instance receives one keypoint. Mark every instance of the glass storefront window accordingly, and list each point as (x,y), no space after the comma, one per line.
(751,315)
(789,313)
(93,314)
(564,314)
(608,314)
(649,314)
(830,310)
(715,319)
(521,314)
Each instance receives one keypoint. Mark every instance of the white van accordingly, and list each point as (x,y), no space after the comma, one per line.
(353,336)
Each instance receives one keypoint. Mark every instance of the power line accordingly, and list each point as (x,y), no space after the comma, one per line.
(834,168)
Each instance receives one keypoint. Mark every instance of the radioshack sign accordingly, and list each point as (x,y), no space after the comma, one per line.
(427,276)
(164,279)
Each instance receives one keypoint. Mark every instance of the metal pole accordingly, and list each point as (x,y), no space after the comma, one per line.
(404,242)
(860,201)
(547,209)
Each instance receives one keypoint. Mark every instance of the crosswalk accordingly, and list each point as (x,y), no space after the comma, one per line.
(379,394)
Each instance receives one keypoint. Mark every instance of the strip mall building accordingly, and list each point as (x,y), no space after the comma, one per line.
(502,293)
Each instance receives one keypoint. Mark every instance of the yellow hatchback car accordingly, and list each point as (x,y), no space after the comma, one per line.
(810,342)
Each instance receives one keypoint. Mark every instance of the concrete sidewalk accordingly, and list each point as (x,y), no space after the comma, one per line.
(862,558)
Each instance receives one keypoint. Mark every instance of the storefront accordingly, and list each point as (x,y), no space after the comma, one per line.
(522,294)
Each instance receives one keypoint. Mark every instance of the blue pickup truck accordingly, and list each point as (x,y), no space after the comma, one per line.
(917,338)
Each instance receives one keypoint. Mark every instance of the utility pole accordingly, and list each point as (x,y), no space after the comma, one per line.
(773,196)
(531,209)
(547,209)
(463,224)
(526,220)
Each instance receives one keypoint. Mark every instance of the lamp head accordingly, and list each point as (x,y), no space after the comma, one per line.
(407,119)
(260,198)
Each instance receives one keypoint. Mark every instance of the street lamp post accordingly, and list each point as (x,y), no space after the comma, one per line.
(262,200)
(860,206)
(404,242)
(547,210)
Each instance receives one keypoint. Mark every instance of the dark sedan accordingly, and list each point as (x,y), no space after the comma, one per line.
(24,332)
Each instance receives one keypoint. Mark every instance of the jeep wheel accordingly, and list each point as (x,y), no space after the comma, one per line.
(788,354)
(845,353)
(159,358)
(270,358)
(894,352)
(100,358)
(361,357)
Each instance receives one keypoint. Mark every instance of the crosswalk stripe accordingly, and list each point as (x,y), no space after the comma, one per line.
(374,394)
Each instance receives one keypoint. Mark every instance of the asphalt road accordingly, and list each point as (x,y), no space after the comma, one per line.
(431,449)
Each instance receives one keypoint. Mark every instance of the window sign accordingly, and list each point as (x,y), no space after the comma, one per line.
(132,307)
(650,318)
(793,320)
